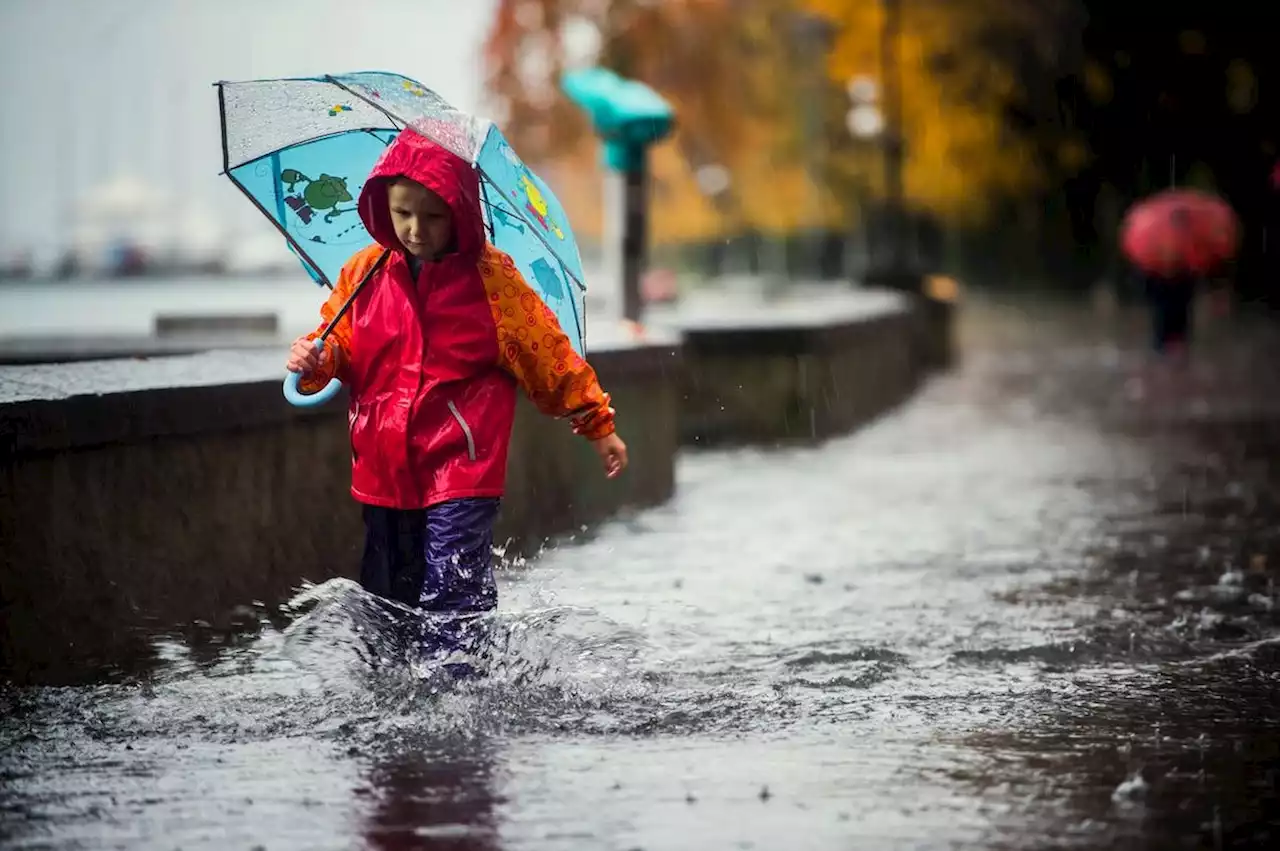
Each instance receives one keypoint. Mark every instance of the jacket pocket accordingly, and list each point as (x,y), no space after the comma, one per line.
(466,430)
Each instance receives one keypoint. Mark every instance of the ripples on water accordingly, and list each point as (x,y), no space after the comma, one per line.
(973,622)
(348,666)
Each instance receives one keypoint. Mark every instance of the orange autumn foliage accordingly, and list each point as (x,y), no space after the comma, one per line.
(741,83)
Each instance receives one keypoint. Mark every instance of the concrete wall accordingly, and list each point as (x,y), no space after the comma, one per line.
(174,499)
(807,371)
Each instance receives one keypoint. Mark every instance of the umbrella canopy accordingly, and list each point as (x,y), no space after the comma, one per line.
(1180,232)
(301,148)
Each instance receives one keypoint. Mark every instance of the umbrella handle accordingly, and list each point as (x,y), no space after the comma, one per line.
(311,400)
(299,399)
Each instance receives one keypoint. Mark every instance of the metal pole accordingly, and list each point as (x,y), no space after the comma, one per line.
(815,45)
(635,237)
(612,288)
(890,71)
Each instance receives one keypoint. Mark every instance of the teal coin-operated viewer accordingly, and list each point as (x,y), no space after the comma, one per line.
(629,117)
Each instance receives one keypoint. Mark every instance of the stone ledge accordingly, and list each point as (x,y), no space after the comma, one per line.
(51,407)
(801,369)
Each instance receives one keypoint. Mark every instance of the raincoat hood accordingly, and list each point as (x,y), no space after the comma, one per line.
(446,174)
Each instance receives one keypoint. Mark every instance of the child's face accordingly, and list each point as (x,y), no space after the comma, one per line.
(423,221)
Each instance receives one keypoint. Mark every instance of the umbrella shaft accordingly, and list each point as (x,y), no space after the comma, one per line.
(346,305)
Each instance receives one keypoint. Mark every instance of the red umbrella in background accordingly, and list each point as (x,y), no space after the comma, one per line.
(1179,232)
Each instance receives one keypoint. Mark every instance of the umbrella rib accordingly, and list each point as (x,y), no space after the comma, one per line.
(485,194)
(388,113)
(293,243)
(372,131)
(533,229)
(579,320)
(222,115)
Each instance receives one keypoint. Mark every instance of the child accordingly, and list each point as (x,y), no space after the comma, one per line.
(432,350)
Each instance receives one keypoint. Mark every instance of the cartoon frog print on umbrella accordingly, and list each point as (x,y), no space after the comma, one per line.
(322,194)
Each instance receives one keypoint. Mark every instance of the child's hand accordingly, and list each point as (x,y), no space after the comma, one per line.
(303,356)
(613,452)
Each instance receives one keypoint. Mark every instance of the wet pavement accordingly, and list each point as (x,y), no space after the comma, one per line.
(1032,608)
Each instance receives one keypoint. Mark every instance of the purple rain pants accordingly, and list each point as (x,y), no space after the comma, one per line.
(438,560)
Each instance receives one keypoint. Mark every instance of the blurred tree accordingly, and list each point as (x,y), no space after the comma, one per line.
(721,65)
(759,92)
(975,128)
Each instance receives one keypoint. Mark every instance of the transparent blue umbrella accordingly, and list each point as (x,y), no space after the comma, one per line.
(300,149)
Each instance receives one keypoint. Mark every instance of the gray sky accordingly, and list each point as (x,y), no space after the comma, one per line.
(96,88)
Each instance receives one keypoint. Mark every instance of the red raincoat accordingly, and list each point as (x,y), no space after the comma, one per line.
(432,364)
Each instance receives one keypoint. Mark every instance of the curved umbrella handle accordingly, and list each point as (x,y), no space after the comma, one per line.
(299,399)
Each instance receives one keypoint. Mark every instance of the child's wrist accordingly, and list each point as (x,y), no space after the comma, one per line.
(597,431)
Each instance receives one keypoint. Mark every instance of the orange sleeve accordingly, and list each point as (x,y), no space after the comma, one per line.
(536,351)
(339,341)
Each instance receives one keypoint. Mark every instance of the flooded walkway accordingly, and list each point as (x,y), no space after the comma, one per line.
(1032,608)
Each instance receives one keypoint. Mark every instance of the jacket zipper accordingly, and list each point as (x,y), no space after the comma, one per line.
(466,430)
